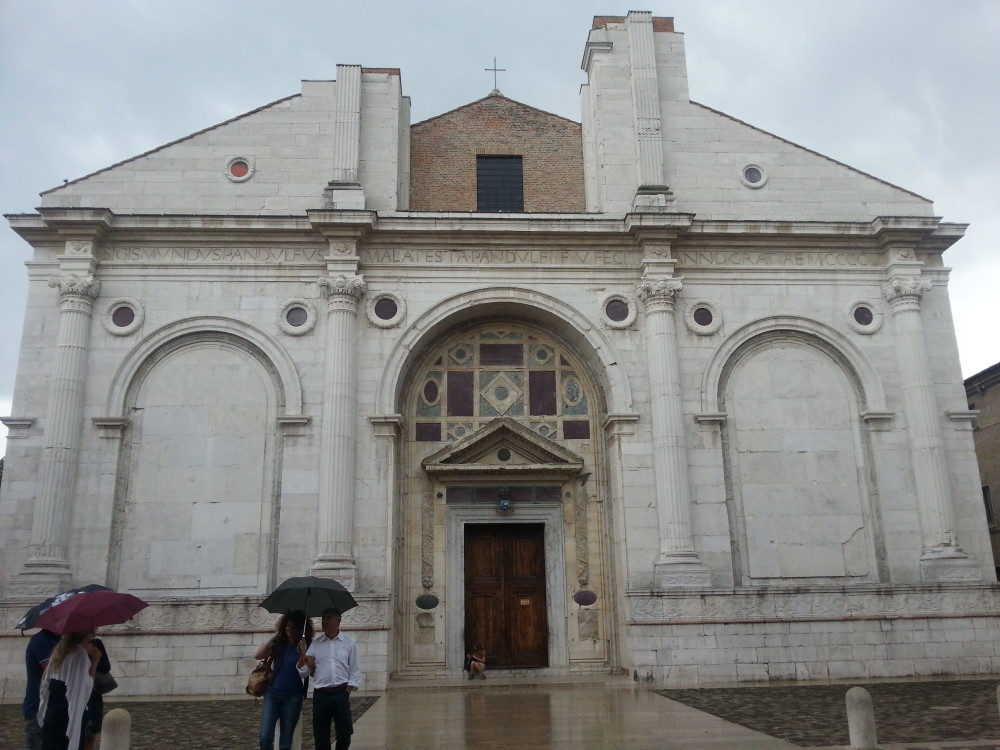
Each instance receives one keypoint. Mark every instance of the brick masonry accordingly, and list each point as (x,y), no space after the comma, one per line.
(444,149)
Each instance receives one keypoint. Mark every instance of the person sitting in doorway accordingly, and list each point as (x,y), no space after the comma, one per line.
(477,662)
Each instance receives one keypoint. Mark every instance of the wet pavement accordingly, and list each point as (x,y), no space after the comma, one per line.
(185,724)
(506,713)
(933,711)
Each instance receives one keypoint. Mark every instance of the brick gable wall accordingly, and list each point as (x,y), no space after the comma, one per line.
(443,154)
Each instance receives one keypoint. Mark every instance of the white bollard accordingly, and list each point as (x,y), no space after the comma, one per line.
(116,732)
(861,719)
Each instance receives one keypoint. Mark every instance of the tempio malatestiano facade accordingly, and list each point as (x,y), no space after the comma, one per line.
(655,393)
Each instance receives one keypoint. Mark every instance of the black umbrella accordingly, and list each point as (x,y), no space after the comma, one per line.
(310,594)
(31,616)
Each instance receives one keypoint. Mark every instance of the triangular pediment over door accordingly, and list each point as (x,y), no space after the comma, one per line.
(503,448)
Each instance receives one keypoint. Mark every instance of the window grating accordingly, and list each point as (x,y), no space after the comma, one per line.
(499,183)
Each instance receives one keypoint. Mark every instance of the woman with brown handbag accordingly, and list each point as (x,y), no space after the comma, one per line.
(286,689)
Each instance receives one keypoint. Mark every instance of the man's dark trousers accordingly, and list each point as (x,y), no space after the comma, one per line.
(335,708)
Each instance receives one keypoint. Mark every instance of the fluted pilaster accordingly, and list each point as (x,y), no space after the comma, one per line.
(347,124)
(645,98)
(63,426)
(939,540)
(335,556)
(677,563)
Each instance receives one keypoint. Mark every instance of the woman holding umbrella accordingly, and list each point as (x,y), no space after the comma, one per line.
(65,690)
(286,689)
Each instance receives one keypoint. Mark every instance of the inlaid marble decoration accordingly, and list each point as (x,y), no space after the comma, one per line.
(474,378)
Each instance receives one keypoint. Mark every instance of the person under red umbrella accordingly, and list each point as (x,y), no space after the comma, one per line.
(66,686)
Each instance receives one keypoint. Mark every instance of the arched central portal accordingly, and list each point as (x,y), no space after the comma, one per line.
(502,518)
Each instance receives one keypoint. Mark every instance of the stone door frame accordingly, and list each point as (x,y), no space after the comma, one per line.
(551,516)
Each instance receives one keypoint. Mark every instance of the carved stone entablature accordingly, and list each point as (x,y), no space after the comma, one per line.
(76,286)
(346,288)
(905,289)
(813,603)
(659,294)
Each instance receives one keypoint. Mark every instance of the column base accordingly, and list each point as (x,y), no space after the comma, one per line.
(948,565)
(340,195)
(652,198)
(343,570)
(39,580)
(681,571)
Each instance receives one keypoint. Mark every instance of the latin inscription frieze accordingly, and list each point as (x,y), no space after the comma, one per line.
(492,257)
(420,256)
(765,259)
(221,255)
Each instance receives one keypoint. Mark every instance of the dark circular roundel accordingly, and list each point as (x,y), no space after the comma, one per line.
(123,316)
(863,315)
(584,598)
(427,601)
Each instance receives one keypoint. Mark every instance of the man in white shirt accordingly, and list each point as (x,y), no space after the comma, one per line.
(332,659)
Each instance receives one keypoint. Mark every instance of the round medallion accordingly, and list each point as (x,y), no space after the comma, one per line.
(427,601)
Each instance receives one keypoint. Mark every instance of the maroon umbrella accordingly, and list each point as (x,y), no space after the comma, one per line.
(28,620)
(90,609)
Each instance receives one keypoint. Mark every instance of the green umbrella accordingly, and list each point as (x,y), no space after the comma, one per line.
(310,594)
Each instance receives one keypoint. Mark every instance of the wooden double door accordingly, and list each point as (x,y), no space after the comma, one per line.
(505,603)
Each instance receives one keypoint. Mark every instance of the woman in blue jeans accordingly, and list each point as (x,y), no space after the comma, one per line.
(285,691)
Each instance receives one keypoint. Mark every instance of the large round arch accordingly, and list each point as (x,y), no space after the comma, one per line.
(446,520)
(515,303)
(265,348)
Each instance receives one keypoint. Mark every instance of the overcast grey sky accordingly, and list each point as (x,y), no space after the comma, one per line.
(907,90)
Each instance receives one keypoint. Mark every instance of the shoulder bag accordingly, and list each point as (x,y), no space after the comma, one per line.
(259,678)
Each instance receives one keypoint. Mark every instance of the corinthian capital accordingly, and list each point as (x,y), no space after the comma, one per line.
(338,287)
(905,289)
(77,286)
(659,291)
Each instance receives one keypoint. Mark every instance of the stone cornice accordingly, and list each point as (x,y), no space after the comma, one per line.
(404,228)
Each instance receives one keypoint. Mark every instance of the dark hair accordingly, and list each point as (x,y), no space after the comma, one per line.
(331,611)
(298,619)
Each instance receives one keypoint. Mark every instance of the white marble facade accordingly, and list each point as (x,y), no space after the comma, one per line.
(222,372)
